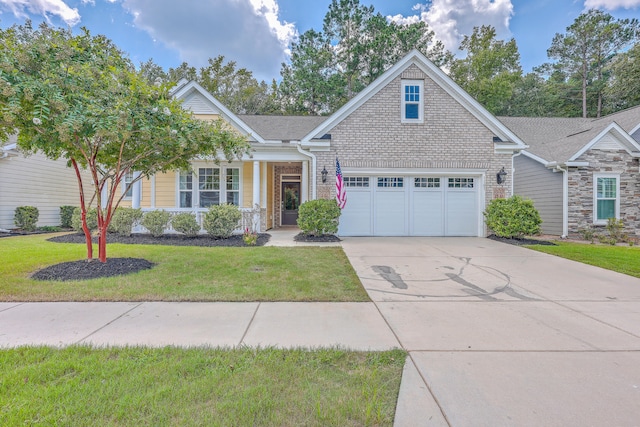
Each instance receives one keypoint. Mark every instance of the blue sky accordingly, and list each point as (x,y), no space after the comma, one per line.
(256,33)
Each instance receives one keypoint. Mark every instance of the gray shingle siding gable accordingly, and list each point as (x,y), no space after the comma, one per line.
(534,181)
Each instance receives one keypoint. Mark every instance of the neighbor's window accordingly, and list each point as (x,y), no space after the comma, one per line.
(209,186)
(412,101)
(233,186)
(186,189)
(606,198)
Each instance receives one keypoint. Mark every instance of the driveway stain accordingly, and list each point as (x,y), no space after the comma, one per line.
(390,275)
(471,289)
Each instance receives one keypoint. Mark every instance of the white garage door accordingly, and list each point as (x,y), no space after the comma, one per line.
(410,206)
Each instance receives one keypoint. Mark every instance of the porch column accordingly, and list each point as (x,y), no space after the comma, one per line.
(104,194)
(135,191)
(304,196)
(256,196)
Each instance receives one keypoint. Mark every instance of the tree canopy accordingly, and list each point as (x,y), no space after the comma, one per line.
(78,97)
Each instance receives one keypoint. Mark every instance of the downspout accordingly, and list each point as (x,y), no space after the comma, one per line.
(313,167)
(565,200)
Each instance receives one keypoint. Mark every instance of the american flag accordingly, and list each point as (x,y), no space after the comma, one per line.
(341,191)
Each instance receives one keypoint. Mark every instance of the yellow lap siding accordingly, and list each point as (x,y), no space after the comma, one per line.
(166,190)
(145,193)
(247,185)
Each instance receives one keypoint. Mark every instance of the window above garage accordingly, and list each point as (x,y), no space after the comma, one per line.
(412,101)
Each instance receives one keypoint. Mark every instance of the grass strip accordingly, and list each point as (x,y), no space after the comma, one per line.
(623,259)
(184,273)
(81,385)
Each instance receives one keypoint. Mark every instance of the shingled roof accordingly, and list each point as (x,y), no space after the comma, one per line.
(282,128)
(558,139)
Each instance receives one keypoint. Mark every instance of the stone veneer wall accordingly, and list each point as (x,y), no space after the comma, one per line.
(581,190)
(450,137)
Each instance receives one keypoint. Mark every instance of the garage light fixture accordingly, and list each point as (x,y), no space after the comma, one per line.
(500,176)
(324,174)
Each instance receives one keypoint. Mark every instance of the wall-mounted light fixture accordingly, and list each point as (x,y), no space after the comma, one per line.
(324,174)
(500,176)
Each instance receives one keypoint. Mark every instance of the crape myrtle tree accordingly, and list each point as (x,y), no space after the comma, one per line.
(79,97)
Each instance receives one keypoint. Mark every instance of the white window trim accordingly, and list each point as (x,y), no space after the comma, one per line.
(596,221)
(195,198)
(123,186)
(420,84)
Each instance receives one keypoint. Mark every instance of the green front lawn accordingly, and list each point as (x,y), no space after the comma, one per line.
(623,259)
(198,386)
(183,273)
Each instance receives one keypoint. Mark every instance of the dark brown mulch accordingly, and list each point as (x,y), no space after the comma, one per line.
(301,237)
(83,270)
(519,241)
(166,239)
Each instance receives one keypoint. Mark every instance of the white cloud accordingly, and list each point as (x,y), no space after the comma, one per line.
(611,4)
(46,8)
(453,19)
(246,31)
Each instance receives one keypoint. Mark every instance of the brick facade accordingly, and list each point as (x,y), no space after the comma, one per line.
(581,189)
(450,137)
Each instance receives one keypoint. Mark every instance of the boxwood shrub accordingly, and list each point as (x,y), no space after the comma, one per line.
(186,223)
(513,217)
(221,220)
(26,217)
(124,219)
(318,217)
(156,222)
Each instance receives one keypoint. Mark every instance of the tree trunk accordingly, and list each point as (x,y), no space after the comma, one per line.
(102,242)
(87,233)
(83,208)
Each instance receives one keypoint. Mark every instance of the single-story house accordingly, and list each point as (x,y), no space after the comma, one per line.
(580,172)
(419,157)
(34,181)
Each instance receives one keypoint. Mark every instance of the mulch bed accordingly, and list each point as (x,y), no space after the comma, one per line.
(84,269)
(520,241)
(322,238)
(165,239)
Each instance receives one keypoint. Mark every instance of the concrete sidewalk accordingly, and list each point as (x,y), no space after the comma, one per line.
(357,326)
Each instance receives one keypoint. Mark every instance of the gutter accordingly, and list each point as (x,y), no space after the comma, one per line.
(313,166)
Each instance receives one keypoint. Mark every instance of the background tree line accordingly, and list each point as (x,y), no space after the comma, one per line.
(595,67)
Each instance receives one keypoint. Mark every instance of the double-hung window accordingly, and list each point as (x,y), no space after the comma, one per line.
(606,197)
(126,185)
(209,186)
(186,189)
(233,186)
(412,101)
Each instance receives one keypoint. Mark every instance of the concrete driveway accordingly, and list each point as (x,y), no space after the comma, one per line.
(501,335)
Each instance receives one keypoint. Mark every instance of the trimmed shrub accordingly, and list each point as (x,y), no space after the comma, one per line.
(318,217)
(26,217)
(513,217)
(66,215)
(221,220)
(185,223)
(124,219)
(92,219)
(156,222)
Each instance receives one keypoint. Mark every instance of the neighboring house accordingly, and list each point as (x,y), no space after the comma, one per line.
(580,172)
(34,181)
(419,157)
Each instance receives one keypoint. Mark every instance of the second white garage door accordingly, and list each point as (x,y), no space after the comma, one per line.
(410,206)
